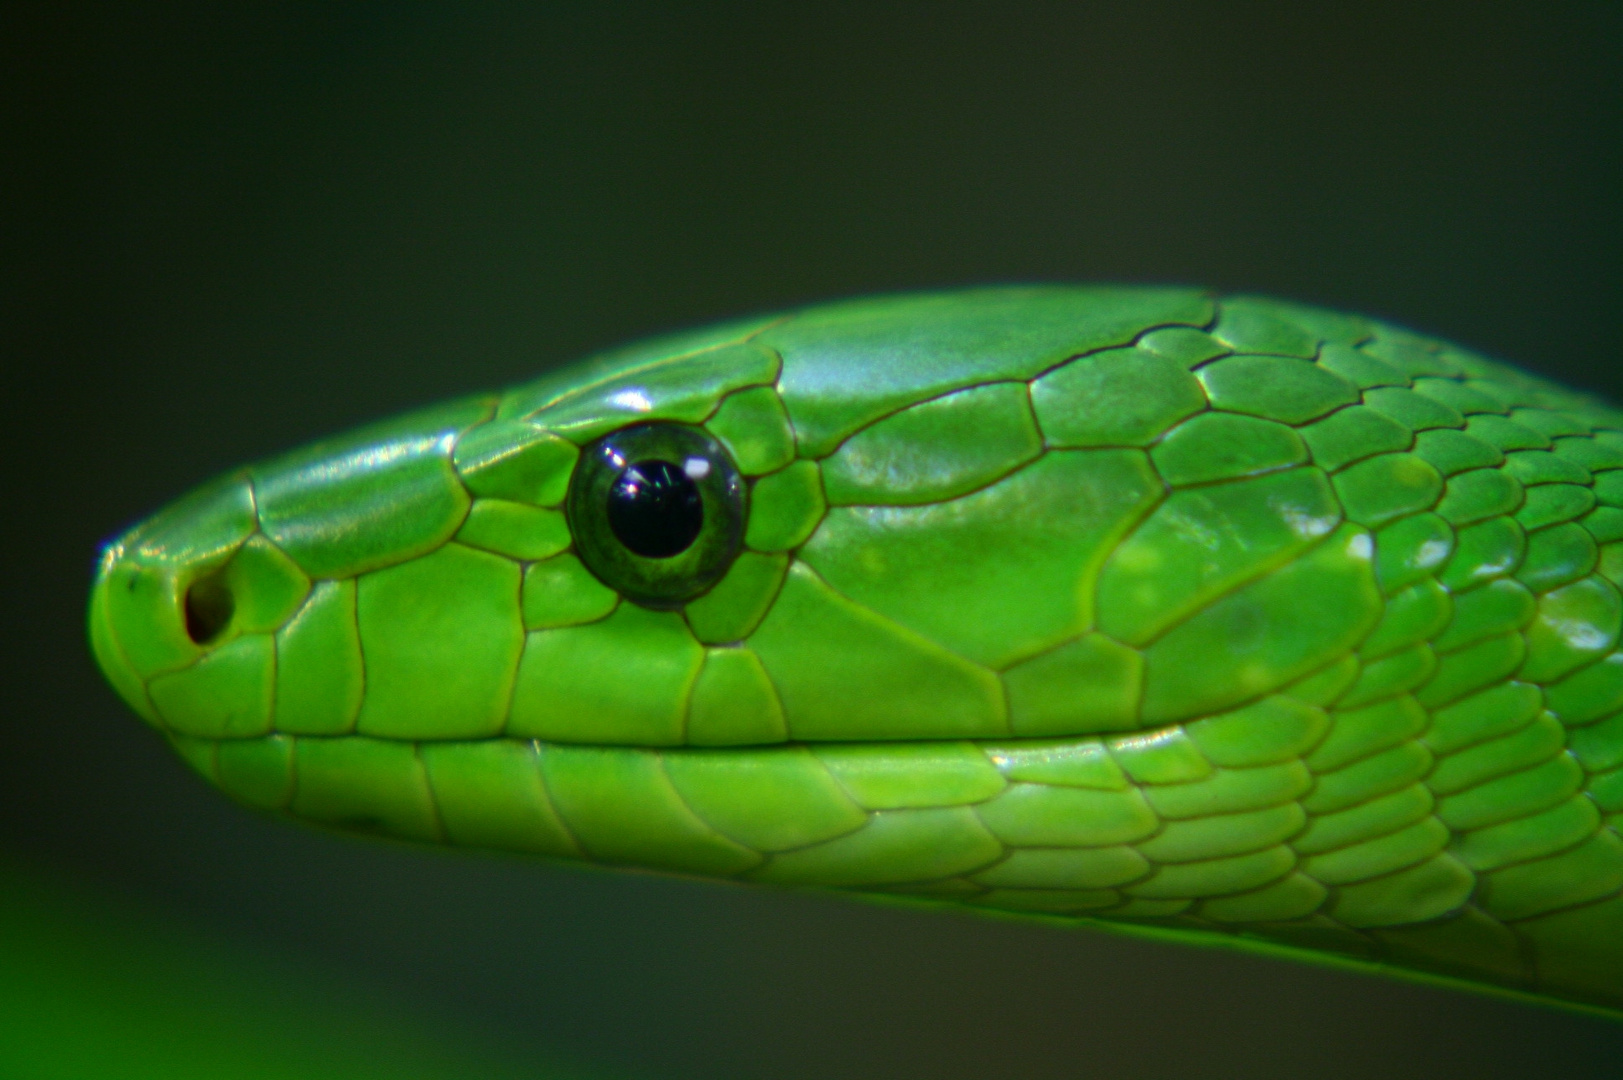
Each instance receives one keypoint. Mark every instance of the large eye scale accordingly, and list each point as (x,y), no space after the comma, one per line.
(655,508)
(657,512)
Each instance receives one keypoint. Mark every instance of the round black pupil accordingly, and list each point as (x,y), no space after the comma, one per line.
(655,509)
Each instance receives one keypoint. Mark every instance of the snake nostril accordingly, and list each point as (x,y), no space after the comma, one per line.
(209,607)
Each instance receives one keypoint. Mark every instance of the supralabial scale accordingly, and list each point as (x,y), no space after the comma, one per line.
(1218,619)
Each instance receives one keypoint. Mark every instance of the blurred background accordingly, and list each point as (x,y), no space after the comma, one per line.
(228,229)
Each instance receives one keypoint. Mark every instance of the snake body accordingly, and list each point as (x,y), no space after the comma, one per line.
(1221,619)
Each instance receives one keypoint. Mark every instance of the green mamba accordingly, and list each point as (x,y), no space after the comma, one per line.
(1217,618)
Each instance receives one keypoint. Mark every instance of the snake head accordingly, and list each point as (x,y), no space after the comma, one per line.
(877,522)
(1116,603)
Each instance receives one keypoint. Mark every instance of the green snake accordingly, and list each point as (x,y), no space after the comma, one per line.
(1213,618)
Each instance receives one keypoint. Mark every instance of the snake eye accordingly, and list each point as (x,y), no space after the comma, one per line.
(657,512)
(655,508)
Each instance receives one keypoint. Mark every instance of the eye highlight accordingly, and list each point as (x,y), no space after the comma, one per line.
(657,512)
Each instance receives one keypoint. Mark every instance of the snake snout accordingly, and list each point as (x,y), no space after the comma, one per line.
(183,611)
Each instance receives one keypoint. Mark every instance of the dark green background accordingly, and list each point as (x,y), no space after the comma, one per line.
(231,229)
